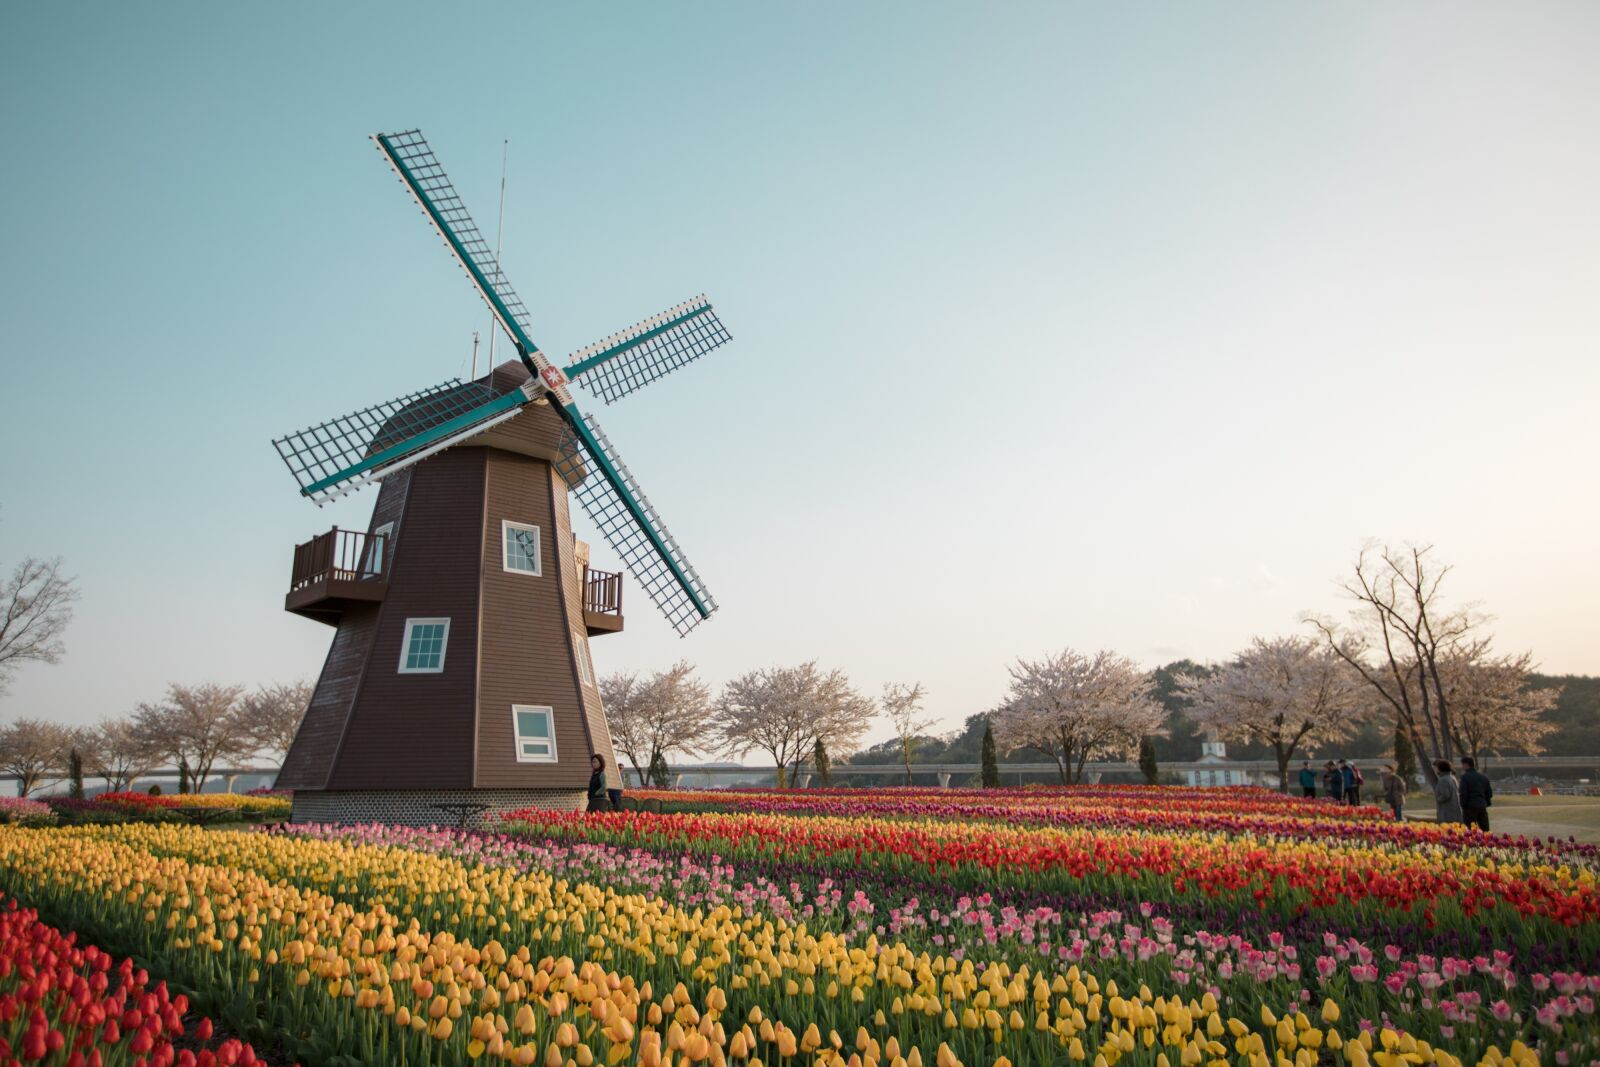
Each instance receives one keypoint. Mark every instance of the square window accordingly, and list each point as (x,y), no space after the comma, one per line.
(422,647)
(521,553)
(534,730)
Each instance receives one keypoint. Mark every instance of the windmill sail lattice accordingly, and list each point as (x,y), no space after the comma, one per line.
(649,552)
(343,454)
(631,359)
(424,177)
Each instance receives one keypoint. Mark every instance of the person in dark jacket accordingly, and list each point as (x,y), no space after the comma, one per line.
(1308,779)
(1352,783)
(1394,791)
(597,784)
(1476,795)
(1333,782)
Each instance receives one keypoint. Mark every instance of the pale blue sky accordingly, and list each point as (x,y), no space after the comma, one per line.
(1114,325)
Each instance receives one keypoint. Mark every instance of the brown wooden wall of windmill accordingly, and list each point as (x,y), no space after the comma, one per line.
(514,638)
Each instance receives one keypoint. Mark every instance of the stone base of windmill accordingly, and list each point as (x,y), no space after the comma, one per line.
(466,808)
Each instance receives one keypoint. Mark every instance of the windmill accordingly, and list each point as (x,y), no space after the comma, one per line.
(459,679)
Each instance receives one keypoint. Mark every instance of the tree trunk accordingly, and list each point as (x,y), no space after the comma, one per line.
(1283,767)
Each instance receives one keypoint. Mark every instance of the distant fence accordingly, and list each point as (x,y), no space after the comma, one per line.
(1262,772)
(220,780)
(690,775)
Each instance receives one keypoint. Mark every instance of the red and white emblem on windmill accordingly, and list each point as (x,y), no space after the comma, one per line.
(553,376)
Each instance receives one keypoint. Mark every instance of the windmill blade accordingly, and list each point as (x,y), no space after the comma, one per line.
(419,169)
(631,526)
(340,456)
(631,359)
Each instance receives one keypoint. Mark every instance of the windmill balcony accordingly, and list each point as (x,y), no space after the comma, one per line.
(336,569)
(602,602)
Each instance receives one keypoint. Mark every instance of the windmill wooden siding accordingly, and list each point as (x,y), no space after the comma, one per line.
(522,612)
(416,729)
(512,637)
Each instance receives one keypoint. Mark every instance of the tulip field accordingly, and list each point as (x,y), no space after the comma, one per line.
(896,927)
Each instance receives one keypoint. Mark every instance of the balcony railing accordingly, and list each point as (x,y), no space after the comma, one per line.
(602,593)
(340,556)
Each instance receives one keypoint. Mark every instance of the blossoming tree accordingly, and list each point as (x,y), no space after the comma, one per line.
(1287,693)
(1070,706)
(649,717)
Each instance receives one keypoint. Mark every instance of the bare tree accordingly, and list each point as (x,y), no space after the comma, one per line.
(784,711)
(199,725)
(1070,706)
(118,751)
(35,607)
(34,750)
(1400,640)
(670,711)
(1285,693)
(903,703)
(274,713)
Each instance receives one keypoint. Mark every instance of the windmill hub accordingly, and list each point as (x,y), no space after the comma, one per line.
(460,680)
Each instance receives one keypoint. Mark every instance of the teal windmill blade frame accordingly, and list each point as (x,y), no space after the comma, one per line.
(425,179)
(614,500)
(341,455)
(632,527)
(631,359)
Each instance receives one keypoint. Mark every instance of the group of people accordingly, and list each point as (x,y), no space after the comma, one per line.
(1342,781)
(1464,800)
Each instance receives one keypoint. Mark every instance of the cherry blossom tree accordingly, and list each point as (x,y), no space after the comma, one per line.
(273,714)
(1492,708)
(1070,706)
(666,712)
(120,752)
(34,750)
(1286,693)
(197,725)
(903,705)
(785,711)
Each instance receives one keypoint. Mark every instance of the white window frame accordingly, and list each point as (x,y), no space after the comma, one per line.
(585,664)
(379,543)
(405,646)
(506,526)
(516,732)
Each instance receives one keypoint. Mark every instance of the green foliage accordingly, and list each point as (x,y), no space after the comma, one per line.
(819,758)
(1405,755)
(991,767)
(75,774)
(183,774)
(1147,760)
(657,772)
(1576,716)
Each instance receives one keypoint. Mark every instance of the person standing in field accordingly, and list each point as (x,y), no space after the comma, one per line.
(1349,787)
(598,800)
(1352,783)
(1476,795)
(1446,794)
(1333,782)
(1308,780)
(1394,791)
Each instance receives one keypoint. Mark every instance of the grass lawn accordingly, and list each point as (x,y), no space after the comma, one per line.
(1545,816)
